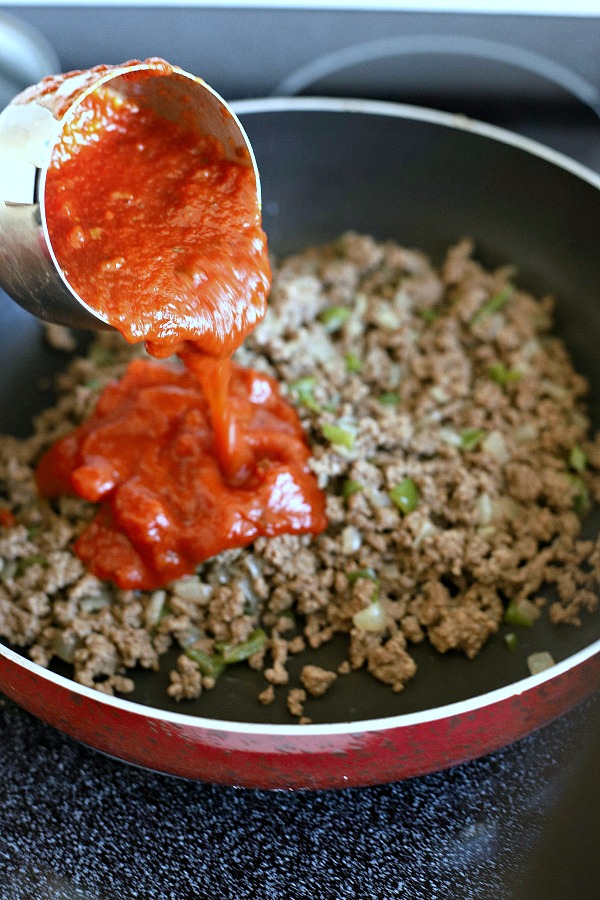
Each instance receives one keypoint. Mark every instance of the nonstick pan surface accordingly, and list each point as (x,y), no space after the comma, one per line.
(425,179)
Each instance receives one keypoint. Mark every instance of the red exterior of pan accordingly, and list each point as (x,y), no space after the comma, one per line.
(301,756)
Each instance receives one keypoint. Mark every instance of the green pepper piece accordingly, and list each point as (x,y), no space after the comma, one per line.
(578,459)
(234,653)
(516,615)
(351,487)
(27,561)
(209,665)
(337,435)
(493,305)
(581,496)
(502,375)
(353,362)
(389,398)
(303,389)
(355,575)
(334,317)
(511,640)
(429,315)
(405,495)
(471,437)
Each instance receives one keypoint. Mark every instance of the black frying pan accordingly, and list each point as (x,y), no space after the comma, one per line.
(425,179)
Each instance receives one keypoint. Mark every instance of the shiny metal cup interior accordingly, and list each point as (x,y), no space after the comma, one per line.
(30,127)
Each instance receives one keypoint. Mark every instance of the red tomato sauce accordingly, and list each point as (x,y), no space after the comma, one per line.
(7,520)
(161,235)
(147,454)
(155,229)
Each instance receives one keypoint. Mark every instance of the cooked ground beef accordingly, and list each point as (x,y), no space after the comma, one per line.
(449,431)
(316,681)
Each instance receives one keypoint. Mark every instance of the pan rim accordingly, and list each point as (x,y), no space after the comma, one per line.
(359,727)
(455,121)
(401,720)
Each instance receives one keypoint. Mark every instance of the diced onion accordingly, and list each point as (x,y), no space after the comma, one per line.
(402,301)
(432,418)
(351,539)
(384,316)
(248,590)
(371,618)
(439,394)
(495,445)
(395,374)
(8,570)
(426,530)
(525,433)
(530,348)
(355,324)
(191,588)
(91,603)
(539,662)
(154,608)
(65,644)
(253,566)
(189,637)
(450,437)
(321,348)
(485,510)
(377,499)
(552,389)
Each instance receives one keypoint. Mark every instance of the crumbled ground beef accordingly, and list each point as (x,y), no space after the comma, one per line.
(296,699)
(449,431)
(186,681)
(316,680)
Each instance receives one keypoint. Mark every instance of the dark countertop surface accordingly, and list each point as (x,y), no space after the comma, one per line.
(521,823)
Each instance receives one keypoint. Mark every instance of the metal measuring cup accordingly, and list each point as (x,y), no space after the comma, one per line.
(31,126)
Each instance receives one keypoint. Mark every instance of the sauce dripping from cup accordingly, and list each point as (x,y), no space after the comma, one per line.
(160,233)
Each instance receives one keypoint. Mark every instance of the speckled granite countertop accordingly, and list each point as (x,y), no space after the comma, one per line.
(75,825)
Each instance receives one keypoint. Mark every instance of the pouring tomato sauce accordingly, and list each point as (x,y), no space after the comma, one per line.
(159,233)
